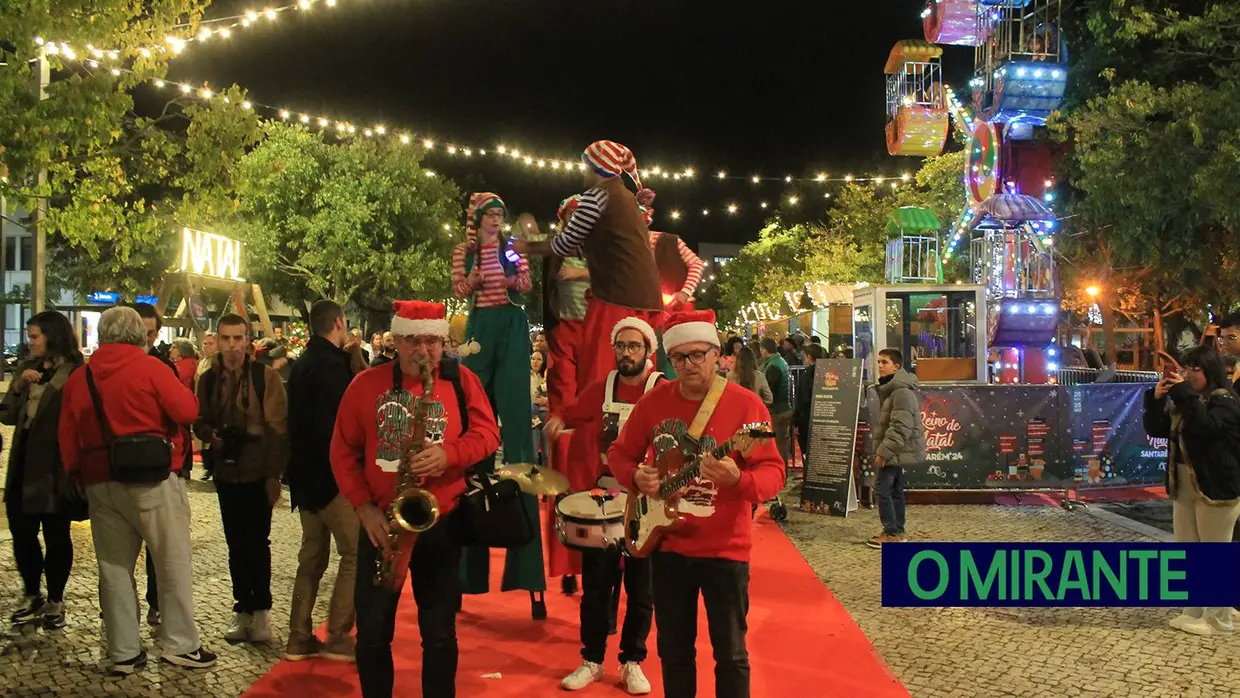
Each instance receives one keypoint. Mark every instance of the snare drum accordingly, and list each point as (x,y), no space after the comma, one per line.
(583,522)
(607,482)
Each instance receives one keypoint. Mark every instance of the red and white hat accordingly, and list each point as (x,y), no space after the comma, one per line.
(690,326)
(635,323)
(419,319)
(610,159)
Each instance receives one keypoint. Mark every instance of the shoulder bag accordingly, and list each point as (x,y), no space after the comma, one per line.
(135,459)
(490,513)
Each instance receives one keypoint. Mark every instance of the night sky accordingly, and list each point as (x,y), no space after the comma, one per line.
(784,87)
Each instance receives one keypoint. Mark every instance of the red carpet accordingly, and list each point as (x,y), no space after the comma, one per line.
(801,643)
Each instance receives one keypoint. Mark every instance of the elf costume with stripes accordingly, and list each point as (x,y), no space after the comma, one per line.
(492,278)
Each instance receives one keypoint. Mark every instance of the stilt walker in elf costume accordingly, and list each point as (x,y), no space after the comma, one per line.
(566,283)
(491,279)
(680,270)
(608,228)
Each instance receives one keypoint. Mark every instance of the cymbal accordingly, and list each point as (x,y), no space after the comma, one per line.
(534,479)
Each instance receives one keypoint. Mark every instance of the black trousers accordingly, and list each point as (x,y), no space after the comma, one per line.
(434,574)
(601,572)
(32,562)
(247,531)
(724,585)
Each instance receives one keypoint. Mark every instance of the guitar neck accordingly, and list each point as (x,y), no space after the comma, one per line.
(686,474)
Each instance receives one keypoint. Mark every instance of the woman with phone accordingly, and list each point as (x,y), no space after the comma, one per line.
(1198,412)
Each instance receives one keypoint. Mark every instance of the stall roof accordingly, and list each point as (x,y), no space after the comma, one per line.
(831,294)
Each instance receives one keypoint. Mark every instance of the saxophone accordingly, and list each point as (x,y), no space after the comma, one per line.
(414,509)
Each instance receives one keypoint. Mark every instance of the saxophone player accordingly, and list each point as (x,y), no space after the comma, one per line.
(374,461)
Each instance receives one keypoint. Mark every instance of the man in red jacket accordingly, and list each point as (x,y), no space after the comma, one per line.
(137,395)
(709,551)
(604,407)
(368,445)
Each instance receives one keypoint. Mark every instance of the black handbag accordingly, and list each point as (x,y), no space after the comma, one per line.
(134,459)
(491,514)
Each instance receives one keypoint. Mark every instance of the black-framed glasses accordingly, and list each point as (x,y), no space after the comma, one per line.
(697,358)
(628,347)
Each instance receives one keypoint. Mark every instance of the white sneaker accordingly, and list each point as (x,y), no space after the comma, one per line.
(1196,626)
(586,674)
(240,628)
(260,627)
(1179,621)
(634,681)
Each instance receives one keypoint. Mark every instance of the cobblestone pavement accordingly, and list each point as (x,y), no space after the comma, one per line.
(945,653)
(71,662)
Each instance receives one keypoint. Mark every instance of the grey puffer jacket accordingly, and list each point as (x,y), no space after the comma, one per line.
(900,436)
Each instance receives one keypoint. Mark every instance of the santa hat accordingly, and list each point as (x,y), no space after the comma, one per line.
(690,326)
(634,323)
(610,159)
(568,206)
(419,319)
(479,203)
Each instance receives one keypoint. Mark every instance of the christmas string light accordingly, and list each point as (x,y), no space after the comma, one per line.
(220,27)
(452,149)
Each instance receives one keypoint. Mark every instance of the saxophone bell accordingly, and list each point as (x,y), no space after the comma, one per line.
(415,509)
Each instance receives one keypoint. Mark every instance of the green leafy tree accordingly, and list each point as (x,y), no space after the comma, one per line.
(848,247)
(1154,153)
(117,181)
(357,221)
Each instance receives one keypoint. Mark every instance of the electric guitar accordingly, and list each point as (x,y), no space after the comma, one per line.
(647,519)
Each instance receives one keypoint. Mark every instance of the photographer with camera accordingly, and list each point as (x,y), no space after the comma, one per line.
(243,412)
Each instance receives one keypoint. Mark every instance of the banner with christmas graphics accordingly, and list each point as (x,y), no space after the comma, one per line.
(1108,444)
(1026,436)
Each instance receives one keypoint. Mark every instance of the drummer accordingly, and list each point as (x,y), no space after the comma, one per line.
(603,406)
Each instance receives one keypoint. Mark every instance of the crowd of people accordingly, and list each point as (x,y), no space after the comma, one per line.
(113,438)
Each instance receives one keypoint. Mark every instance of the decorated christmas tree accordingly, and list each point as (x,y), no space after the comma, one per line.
(295,337)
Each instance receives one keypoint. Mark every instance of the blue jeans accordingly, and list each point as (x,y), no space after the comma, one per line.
(890,493)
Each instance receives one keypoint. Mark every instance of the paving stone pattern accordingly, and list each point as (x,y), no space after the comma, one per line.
(946,653)
(72,661)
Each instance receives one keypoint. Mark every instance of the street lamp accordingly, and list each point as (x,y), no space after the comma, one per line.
(1092,291)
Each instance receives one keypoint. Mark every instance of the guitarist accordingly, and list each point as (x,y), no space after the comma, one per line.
(603,408)
(709,552)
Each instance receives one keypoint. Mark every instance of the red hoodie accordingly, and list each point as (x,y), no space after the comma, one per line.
(139,395)
(718,521)
(356,452)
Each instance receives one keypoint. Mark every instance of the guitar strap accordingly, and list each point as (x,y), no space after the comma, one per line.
(708,408)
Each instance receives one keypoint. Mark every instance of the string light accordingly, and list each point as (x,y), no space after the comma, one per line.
(221,27)
(454,149)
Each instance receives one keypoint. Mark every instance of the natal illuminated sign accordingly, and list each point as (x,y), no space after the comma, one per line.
(208,254)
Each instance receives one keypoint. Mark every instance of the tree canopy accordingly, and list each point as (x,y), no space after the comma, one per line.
(354,221)
(1155,157)
(847,247)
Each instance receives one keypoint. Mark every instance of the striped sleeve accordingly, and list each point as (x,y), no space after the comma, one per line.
(694,264)
(521,281)
(592,204)
(461,288)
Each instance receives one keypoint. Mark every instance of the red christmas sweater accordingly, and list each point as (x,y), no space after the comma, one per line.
(587,413)
(718,520)
(367,442)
